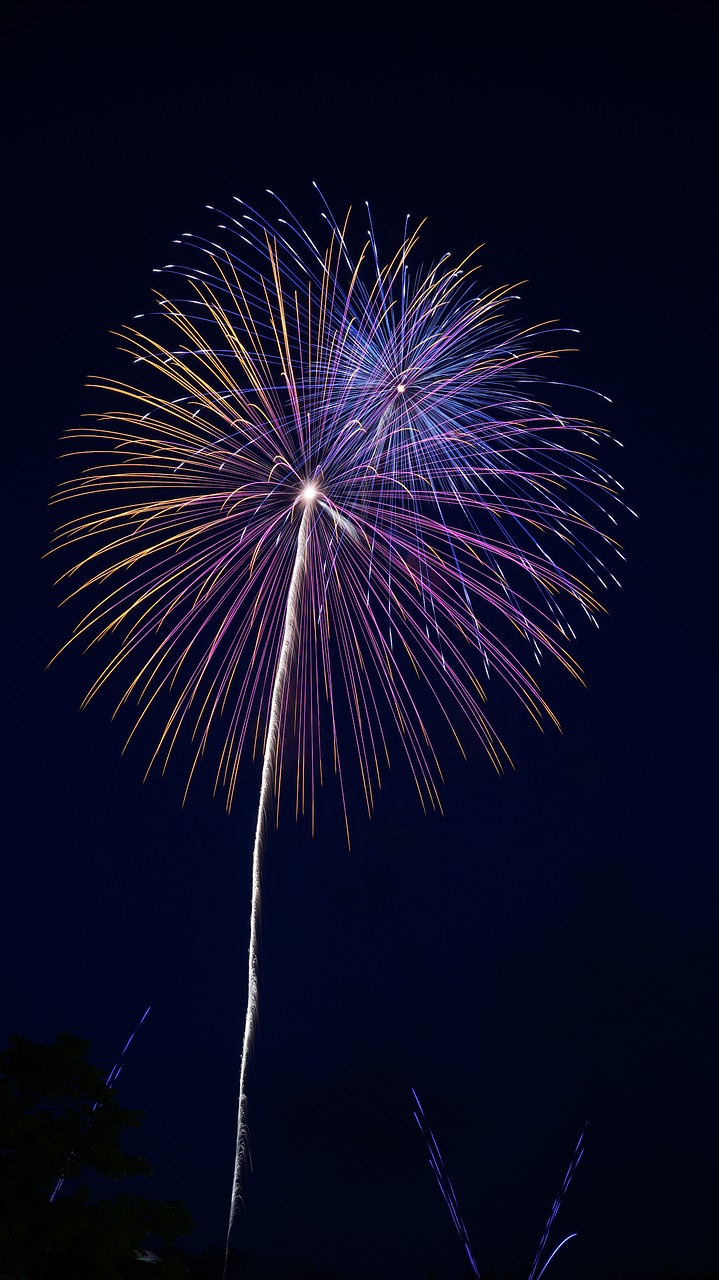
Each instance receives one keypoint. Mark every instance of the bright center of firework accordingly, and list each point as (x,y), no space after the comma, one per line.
(400,388)
(309,493)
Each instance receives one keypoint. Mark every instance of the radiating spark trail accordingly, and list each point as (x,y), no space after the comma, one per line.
(450,1198)
(111,1080)
(443,1182)
(578,1153)
(269,761)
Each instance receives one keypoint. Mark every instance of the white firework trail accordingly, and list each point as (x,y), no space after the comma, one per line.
(266,788)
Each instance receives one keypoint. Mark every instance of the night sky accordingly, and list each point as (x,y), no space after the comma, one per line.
(544,954)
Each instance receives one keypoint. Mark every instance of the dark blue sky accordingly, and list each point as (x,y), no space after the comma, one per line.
(545,954)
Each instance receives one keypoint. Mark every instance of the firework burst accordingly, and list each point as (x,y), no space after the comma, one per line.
(329,499)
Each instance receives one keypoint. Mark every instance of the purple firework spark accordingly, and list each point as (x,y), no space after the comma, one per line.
(535,1273)
(448,1193)
(329,502)
(109,1084)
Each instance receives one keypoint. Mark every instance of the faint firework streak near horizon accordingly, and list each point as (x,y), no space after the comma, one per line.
(330,500)
(436,1164)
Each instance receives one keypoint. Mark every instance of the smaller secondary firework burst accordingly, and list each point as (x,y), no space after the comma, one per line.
(436,1163)
(328,503)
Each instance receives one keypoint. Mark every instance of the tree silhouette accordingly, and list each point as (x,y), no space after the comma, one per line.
(59,1118)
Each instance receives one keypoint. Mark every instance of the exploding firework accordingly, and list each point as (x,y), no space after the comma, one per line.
(329,508)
